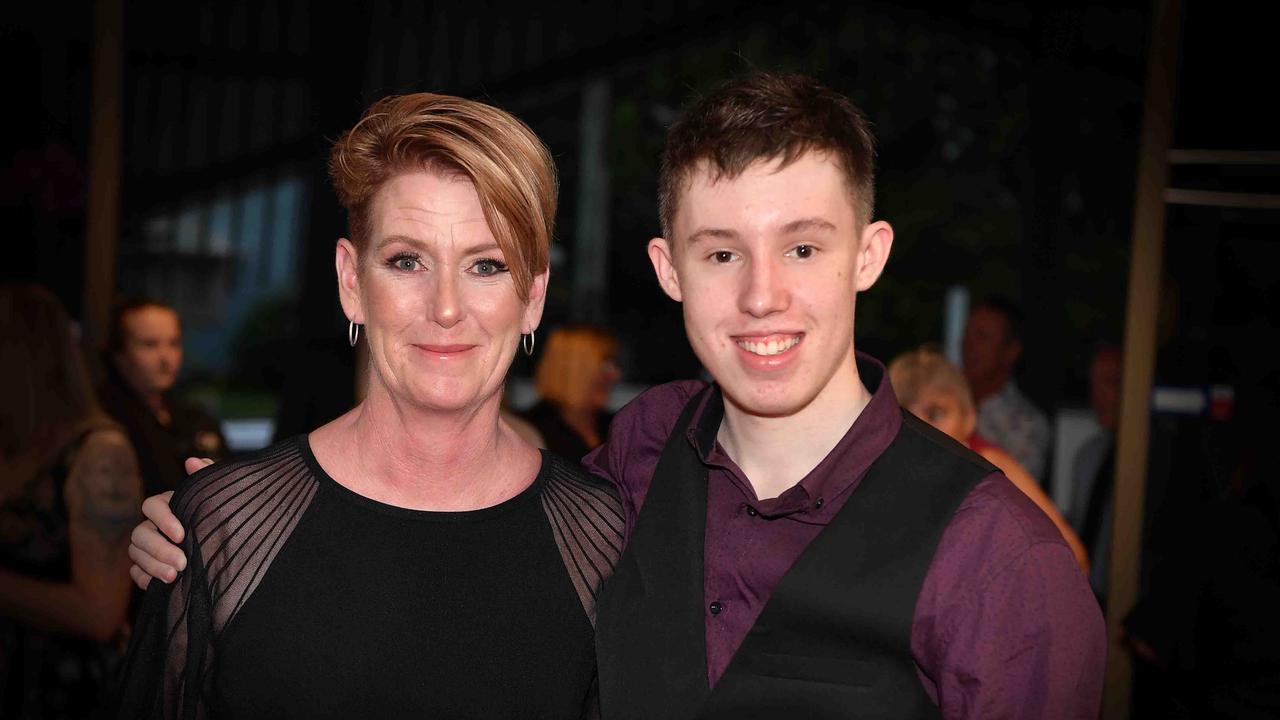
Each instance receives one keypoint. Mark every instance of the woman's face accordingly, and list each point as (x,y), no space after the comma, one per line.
(942,409)
(431,288)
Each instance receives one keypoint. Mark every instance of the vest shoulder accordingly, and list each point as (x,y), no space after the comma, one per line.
(243,484)
(926,441)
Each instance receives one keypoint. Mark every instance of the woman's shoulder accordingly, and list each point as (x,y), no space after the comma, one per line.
(566,476)
(275,475)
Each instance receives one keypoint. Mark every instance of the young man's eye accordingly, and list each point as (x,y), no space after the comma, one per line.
(803,251)
(722,256)
(488,267)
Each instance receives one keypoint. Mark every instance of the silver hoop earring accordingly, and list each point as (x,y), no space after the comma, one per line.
(353,333)
(527,342)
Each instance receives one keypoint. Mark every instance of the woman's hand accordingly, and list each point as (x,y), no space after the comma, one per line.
(153,546)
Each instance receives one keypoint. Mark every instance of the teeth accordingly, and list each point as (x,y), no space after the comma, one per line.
(773,347)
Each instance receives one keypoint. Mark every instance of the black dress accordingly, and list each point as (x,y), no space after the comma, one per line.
(304,599)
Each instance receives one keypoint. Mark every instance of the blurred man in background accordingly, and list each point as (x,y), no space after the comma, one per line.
(991,348)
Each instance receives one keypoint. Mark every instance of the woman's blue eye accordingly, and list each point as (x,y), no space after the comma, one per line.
(489,267)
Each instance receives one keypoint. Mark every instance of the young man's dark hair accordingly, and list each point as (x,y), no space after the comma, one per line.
(767,116)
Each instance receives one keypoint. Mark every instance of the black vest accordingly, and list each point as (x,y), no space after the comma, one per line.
(833,639)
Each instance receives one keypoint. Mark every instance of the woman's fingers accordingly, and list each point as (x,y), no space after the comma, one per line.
(140,577)
(155,555)
(194,464)
(156,508)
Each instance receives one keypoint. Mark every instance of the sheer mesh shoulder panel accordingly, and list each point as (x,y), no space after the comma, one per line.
(238,515)
(586,518)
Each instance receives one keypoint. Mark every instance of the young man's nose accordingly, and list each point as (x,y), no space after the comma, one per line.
(764,290)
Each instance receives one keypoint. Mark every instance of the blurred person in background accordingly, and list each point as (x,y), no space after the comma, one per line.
(69,494)
(990,349)
(1093,468)
(934,390)
(574,377)
(143,358)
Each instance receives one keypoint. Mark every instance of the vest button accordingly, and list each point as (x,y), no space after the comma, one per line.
(716,607)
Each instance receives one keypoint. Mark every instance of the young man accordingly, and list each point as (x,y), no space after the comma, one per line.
(799,546)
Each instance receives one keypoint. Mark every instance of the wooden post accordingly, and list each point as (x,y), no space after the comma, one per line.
(102,233)
(1145,265)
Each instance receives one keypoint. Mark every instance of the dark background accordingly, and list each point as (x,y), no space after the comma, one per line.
(1008,135)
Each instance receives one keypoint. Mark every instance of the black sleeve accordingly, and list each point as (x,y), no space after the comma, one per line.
(170,657)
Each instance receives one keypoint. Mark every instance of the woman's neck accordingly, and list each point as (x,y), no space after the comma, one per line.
(406,456)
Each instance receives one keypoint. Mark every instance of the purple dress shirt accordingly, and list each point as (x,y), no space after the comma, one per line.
(1005,625)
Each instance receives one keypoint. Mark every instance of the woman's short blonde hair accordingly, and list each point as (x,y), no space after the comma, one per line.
(511,169)
(911,373)
(571,361)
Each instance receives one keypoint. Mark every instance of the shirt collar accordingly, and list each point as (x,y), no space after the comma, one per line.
(840,471)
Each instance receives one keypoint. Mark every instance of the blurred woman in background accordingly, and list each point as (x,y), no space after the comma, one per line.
(69,494)
(574,377)
(934,390)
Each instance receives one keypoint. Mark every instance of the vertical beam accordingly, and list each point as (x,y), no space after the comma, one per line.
(591,231)
(103,222)
(1141,310)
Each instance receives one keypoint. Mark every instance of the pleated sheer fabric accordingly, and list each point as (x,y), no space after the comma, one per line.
(587,521)
(238,516)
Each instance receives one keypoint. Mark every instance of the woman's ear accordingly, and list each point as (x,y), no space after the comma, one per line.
(537,301)
(347,262)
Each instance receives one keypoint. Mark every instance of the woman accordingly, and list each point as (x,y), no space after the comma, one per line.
(573,380)
(69,492)
(415,556)
(934,390)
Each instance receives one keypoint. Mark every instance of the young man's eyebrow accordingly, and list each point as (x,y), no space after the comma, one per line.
(808,225)
(711,233)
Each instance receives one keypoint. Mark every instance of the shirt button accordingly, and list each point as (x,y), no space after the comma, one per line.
(751,511)
(819,503)
(716,607)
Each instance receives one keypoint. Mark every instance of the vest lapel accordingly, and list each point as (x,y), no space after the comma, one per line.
(650,632)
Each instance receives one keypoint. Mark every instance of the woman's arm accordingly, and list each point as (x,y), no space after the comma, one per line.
(1029,487)
(102,495)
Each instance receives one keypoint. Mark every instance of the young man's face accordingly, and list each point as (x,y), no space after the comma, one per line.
(767,265)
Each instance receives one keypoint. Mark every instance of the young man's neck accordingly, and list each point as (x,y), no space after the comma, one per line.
(775,453)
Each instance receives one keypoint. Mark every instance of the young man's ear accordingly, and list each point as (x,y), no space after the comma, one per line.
(347,262)
(665,268)
(873,253)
